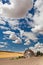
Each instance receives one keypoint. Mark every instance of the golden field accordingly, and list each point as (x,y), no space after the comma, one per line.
(5,54)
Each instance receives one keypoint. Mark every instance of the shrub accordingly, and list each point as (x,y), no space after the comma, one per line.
(38,53)
(19,57)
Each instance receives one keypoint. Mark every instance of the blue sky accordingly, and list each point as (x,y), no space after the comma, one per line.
(22,33)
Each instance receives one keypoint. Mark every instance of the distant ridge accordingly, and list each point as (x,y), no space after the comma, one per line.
(10,51)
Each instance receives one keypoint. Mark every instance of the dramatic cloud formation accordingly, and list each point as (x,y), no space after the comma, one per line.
(15,39)
(16,8)
(24,30)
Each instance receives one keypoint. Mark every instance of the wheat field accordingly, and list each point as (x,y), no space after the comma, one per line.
(10,54)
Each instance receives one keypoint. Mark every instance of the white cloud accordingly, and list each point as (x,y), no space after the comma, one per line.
(13,37)
(21,32)
(7,32)
(38,47)
(11,34)
(27,42)
(30,36)
(1,21)
(16,9)
(38,3)
(4,28)
(13,23)
(0,8)
(37,24)
(29,15)
(18,41)
(38,29)
(38,17)
(3,44)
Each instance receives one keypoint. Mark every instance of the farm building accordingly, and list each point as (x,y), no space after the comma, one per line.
(28,53)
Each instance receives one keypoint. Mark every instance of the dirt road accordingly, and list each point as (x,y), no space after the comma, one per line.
(29,61)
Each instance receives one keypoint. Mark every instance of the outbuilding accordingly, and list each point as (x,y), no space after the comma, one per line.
(28,53)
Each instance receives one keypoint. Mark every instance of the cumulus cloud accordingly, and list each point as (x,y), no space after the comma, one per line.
(38,17)
(38,47)
(13,37)
(29,36)
(14,11)
(18,41)
(17,9)
(27,42)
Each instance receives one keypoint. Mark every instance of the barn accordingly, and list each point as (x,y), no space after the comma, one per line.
(28,53)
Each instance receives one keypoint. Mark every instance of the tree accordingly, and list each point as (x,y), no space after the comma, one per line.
(38,53)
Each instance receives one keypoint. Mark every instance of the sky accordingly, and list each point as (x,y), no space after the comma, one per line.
(21,25)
